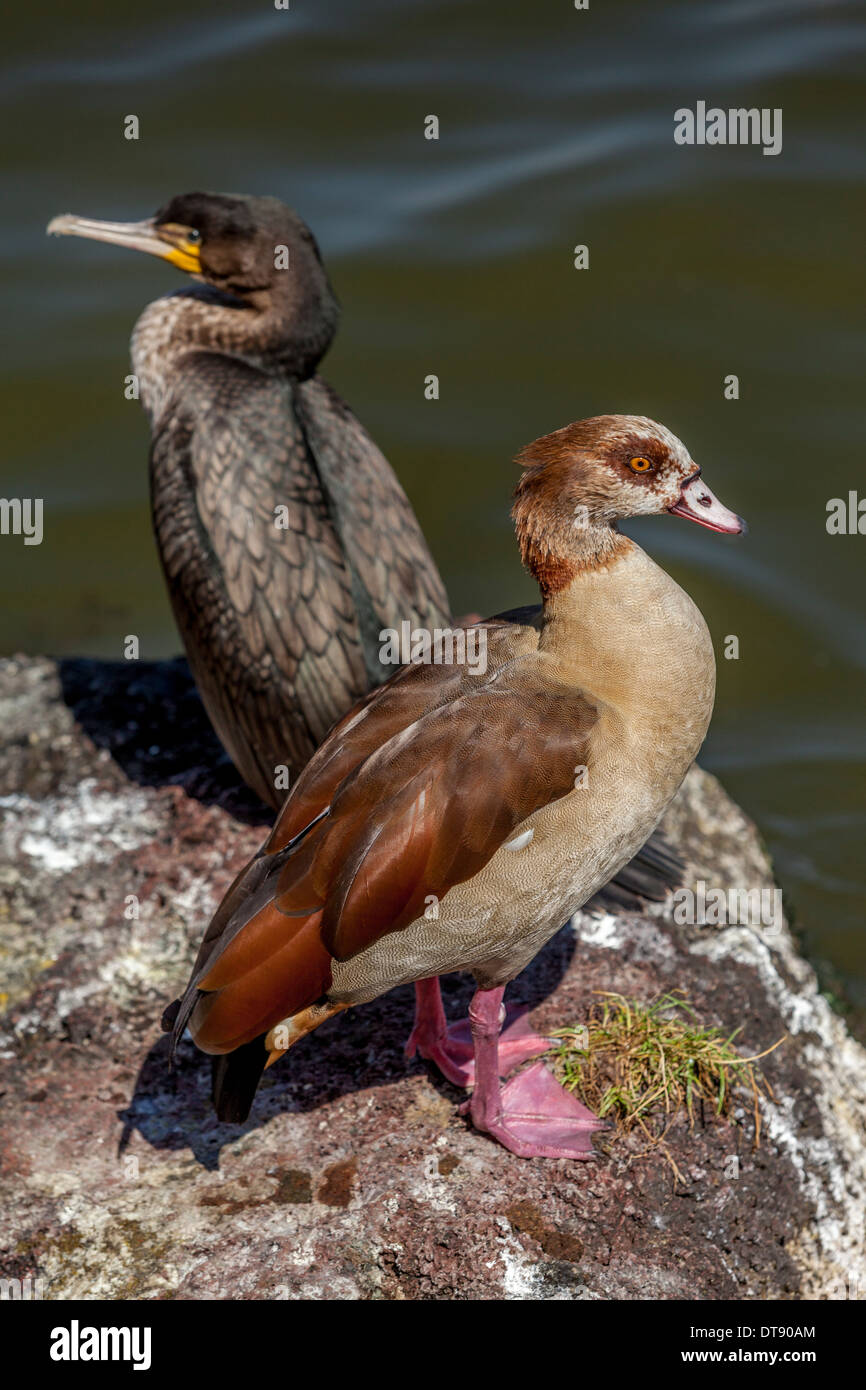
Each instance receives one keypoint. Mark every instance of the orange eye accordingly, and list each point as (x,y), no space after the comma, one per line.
(640,465)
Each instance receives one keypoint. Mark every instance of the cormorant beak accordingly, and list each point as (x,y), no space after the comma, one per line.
(699,504)
(168,241)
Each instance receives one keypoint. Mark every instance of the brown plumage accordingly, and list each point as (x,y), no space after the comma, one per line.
(281,626)
(280,622)
(419,795)
(406,821)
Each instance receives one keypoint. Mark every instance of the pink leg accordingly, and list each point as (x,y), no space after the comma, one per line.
(453,1050)
(532,1116)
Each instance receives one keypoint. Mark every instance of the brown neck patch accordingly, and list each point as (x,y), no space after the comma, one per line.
(562,509)
(555,566)
(551,571)
(557,544)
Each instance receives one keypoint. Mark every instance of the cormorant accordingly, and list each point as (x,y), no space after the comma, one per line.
(281,625)
(286,540)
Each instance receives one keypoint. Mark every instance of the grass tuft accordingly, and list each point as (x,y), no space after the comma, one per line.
(642,1064)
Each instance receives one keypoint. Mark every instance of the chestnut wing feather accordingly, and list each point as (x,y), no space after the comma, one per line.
(423,812)
(430,808)
(411,693)
(377,717)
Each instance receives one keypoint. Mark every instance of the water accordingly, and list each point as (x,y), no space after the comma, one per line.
(455,257)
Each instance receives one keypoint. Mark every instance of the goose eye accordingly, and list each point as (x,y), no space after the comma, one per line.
(640,465)
(193,237)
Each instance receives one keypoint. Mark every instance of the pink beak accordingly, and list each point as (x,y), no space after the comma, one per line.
(700,505)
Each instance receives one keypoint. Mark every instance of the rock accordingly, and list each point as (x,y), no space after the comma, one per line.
(355,1177)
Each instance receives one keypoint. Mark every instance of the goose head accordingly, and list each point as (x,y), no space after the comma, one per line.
(579,481)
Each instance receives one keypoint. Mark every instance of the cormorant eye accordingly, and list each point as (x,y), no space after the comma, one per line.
(640,465)
(193,236)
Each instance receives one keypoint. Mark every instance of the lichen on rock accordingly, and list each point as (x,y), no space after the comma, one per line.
(355,1177)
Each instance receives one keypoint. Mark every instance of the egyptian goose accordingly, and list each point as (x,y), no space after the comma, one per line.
(454,820)
(286,541)
(282,624)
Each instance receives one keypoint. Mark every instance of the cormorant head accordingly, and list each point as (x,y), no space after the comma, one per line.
(257,251)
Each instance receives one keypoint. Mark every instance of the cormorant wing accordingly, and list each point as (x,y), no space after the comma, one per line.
(397,578)
(264,597)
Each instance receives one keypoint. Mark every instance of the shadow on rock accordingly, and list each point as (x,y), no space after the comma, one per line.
(358,1050)
(150,718)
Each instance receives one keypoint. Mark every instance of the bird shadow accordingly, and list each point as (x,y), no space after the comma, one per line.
(149,716)
(358,1050)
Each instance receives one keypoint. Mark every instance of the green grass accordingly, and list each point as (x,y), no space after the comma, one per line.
(641,1065)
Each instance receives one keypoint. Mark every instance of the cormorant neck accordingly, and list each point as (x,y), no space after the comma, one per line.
(256,329)
(269,326)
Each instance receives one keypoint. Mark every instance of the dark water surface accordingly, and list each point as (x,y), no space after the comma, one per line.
(456,258)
